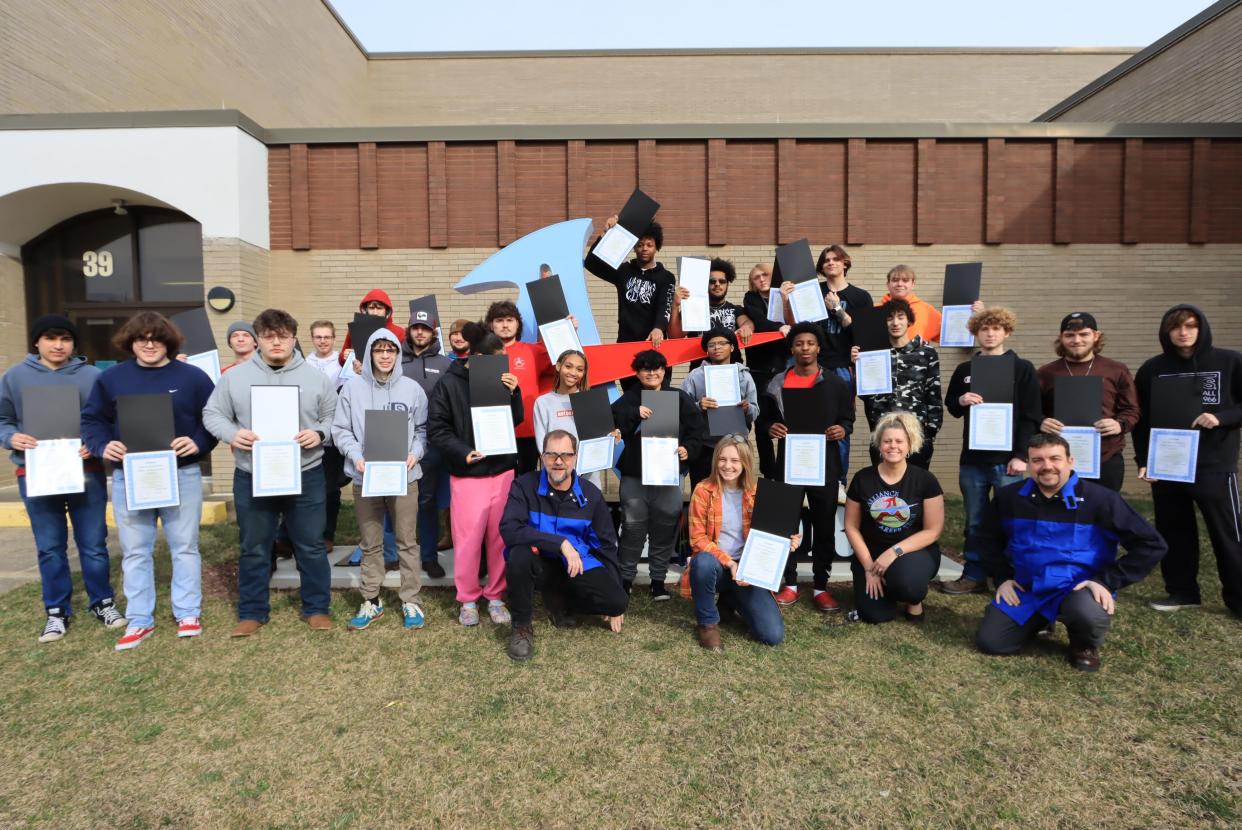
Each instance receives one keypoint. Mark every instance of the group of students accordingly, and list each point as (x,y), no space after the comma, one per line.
(1049,541)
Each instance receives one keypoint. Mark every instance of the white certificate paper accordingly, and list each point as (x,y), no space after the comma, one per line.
(807,303)
(54,468)
(384,478)
(276,468)
(150,480)
(1084,445)
(661,466)
(1173,455)
(209,362)
(693,275)
(776,306)
(991,427)
(595,454)
(559,337)
(805,459)
(274,412)
(493,430)
(875,372)
(724,383)
(953,331)
(615,246)
(763,560)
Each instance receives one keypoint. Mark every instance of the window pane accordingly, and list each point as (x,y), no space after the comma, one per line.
(99,255)
(170,252)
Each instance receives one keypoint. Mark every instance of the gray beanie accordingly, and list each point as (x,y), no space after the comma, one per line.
(241,325)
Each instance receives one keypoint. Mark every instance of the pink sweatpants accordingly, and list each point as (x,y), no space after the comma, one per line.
(477,505)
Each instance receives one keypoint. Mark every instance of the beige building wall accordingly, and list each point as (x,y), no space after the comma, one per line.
(13,347)
(1197,79)
(1041,283)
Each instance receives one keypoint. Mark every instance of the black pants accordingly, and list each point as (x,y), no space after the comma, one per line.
(763,442)
(922,458)
(1112,473)
(527,456)
(1216,495)
(906,580)
(1085,619)
(596,591)
(823,506)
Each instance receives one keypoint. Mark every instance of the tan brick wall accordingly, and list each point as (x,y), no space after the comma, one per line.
(1041,283)
(1197,79)
(13,348)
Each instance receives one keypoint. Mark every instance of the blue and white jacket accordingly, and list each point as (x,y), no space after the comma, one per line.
(1049,545)
(540,517)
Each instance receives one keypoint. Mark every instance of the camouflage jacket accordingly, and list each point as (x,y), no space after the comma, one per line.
(916,388)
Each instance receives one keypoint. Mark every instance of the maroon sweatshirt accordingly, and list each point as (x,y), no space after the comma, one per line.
(1120,396)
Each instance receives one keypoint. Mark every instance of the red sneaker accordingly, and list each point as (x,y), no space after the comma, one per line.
(823,601)
(189,627)
(133,636)
(786,596)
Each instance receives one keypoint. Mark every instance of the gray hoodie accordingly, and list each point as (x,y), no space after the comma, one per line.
(228,409)
(365,392)
(31,372)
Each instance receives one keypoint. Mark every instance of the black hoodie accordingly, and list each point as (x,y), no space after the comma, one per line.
(644,298)
(450,429)
(1220,378)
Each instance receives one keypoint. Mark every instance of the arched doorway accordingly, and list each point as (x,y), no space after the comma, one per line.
(101,267)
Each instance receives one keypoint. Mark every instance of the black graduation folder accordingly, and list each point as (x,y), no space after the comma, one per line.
(485,386)
(52,411)
(592,413)
(547,299)
(962,281)
(778,507)
(794,263)
(1078,401)
(145,422)
(991,378)
(638,213)
(386,435)
(665,417)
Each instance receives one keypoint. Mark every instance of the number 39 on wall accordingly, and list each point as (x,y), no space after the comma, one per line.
(97,264)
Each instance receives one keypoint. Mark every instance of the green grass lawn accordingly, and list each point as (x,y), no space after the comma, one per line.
(844,725)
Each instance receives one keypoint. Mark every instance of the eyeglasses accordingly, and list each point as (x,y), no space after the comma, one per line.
(324,337)
(718,282)
(148,340)
(563,457)
(383,351)
(718,344)
(271,337)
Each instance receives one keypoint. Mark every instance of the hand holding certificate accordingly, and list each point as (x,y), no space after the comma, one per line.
(773,524)
(1173,455)
(953,330)
(150,480)
(724,383)
(595,454)
(961,289)
(661,466)
(385,478)
(875,372)
(493,430)
(559,337)
(54,467)
(991,427)
(805,459)
(693,274)
(276,468)
(640,209)
(1084,444)
(807,303)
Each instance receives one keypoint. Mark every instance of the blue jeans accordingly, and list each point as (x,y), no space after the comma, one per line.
(258,519)
(136,529)
(843,446)
(433,491)
(756,605)
(977,482)
(87,511)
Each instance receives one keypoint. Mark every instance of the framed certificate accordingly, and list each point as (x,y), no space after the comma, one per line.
(1085,448)
(150,480)
(615,245)
(54,468)
(807,303)
(1173,455)
(209,362)
(776,306)
(661,466)
(560,337)
(991,427)
(953,331)
(763,559)
(385,478)
(805,458)
(276,468)
(595,454)
(493,430)
(875,372)
(724,383)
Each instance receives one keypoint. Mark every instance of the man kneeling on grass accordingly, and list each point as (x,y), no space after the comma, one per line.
(1050,543)
(559,536)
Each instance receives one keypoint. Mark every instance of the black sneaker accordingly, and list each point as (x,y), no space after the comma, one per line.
(433,569)
(659,593)
(561,616)
(107,614)
(522,643)
(1172,603)
(54,629)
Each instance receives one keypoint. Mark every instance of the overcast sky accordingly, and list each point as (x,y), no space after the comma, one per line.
(421,26)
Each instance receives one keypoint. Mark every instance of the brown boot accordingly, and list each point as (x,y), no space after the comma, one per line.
(245,628)
(446,532)
(709,637)
(1083,657)
(319,622)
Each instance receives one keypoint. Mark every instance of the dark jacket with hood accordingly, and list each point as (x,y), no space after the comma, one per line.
(644,298)
(691,429)
(1027,412)
(450,429)
(841,401)
(374,295)
(425,369)
(1219,372)
(31,372)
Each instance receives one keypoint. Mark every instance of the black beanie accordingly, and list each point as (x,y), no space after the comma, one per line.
(52,321)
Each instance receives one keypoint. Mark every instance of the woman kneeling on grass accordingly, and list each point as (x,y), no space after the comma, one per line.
(894,513)
(720,512)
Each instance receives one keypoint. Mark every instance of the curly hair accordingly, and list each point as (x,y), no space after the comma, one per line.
(725,267)
(150,324)
(904,421)
(504,308)
(898,306)
(994,316)
(805,327)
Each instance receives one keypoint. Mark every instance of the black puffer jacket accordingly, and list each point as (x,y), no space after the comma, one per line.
(450,429)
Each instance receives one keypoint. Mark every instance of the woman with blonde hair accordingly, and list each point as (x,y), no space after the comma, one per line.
(720,512)
(894,513)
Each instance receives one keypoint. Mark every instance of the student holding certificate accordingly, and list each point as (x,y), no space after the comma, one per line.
(644,287)
(721,347)
(381,386)
(925,322)
(916,381)
(765,361)
(804,341)
(720,513)
(479,483)
(229,416)
(721,313)
(529,363)
(53,363)
(553,410)
(152,339)
(1208,400)
(422,362)
(894,513)
(985,471)
(651,511)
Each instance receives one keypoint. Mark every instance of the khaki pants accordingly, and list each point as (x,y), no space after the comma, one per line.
(404,512)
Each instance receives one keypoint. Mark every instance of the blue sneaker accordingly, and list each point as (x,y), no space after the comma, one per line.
(368,612)
(412,615)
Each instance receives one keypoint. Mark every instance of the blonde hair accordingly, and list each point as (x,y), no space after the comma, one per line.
(994,316)
(904,421)
(901,269)
(765,267)
(746,480)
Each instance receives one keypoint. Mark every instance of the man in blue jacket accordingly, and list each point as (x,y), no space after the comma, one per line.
(559,536)
(1050,543)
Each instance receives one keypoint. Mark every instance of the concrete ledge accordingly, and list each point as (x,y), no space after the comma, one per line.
(13,514)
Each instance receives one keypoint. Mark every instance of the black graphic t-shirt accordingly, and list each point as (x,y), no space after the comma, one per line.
(891,513)
(838,340)
(723,316)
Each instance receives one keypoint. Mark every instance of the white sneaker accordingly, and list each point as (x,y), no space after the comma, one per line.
(840,493)
(499,614)
(53,630)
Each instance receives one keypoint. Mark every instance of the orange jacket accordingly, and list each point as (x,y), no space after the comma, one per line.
(707,515)
(926,318)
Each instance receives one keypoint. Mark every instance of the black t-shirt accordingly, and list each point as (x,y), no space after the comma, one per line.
(838,341)
(891,513)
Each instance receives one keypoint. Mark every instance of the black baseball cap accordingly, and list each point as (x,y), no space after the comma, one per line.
(1076,320)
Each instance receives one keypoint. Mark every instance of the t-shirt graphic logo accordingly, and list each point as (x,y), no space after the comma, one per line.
(519,362)
(890,511)
(639,290)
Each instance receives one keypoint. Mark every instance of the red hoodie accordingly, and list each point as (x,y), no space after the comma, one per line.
(374,295)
